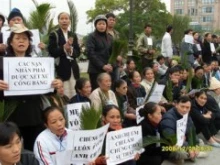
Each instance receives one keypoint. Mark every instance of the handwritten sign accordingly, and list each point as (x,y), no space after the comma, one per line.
(87,146)
(27,76)
(149,41)
(188,39)
(212,47)
(35,40)
(157,94)
(73,114)
(181,126)
(123,145)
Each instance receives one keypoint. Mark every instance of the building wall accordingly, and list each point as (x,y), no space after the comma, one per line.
(205,12)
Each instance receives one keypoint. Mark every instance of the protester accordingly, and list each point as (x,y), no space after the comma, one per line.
(198,79)
(111,115)
(207,74)
(103,95)
(152,117)
(168,128)
(206,48)
(54,138)
(204,119)
(64,47)
(127,112)
(99,48)
(161,65)
(145,46)
(187,57)
(27,113)
(83,90)
(111,20)
(197,49)
(2,46)
(148,79)
(167,46)
(11,152)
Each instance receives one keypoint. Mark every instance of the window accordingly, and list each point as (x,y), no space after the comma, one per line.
(207,19)
(178,3)
(191,2)
(208,1)
(206,28)
(208,9)
(192,11)
(179,11)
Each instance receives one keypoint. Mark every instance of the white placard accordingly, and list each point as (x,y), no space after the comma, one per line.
(87,146)
(198,46)
(123,145)
(149,41)
(138,117)
(157,94)
(35,40)
(181,126)
(212,47)
(188,39)
(27,76)
(73,114)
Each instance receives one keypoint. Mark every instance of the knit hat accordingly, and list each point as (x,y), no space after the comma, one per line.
(100,17)
(3,18)
(214,84)
(20,28)
(14,13)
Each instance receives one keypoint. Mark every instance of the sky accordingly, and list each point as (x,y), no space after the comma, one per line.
(26,6)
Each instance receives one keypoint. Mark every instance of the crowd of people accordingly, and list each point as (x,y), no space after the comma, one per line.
(192,87)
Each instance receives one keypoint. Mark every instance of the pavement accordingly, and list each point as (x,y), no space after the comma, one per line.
(212,159)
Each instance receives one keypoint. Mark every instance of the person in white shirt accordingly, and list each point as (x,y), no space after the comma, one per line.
(166,46)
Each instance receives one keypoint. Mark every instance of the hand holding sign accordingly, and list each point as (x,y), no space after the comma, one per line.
(3,85)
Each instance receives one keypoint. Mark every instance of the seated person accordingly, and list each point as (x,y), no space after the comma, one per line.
(11,147)
(197,80)
(168,127)
(83,89)
(203,119)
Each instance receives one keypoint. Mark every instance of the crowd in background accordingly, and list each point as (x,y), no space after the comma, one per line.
(192,87)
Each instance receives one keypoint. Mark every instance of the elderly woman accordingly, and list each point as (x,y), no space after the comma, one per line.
(64,47)
(27,113)
(103,95)
(11,147)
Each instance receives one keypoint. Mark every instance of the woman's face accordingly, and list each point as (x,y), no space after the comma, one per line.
(105,83)
(199,73)
(201,100)
(149,75)
(184,75)
(101,26)
(155,68)
(86,90)
(136,78)
(11,153)
(122,89)
(156,116)
(20,43)
(113,117)
(209,38)
(131,65)
(56,122)
(196,36)
(64,21)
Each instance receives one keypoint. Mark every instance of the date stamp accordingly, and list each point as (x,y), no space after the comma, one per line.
(186,148)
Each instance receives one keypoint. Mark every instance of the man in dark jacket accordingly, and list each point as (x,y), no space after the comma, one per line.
(168,128)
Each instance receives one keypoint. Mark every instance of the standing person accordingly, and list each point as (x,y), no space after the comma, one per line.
(186,52)
(197,49)
(166,46)
(206,49)
(111,20)
(64,47)
(11,147)
(27,113)
(2,46)
(145,46)
(99,48)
